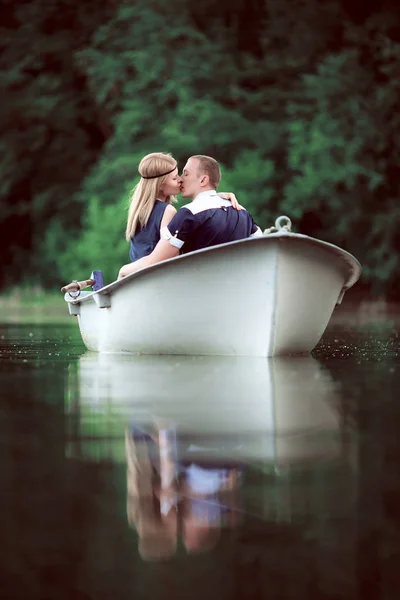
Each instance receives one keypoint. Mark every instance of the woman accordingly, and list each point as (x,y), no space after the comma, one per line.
(151,207)
(151,203)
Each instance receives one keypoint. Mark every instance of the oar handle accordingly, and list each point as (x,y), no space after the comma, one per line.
(76,286)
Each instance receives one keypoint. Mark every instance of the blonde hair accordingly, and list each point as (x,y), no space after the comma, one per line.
(209,166)
(146,191)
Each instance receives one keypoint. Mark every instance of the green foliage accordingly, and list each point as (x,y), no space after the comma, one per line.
(48,123)
(341,152)
(101,246)
(251,179)
(297,102)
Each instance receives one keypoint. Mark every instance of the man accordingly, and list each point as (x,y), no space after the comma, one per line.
(206,221)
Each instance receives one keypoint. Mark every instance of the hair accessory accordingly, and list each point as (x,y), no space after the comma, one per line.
(160,175)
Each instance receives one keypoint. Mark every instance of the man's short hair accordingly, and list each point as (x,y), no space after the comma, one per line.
(210,167)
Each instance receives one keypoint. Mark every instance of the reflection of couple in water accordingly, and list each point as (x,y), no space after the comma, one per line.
(192,496)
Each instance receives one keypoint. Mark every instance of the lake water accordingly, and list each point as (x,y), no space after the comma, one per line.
(180,477)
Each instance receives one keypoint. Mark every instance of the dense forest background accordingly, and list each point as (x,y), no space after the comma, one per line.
(297,99)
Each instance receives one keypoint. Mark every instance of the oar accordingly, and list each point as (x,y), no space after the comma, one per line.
(77,286)
(96,281)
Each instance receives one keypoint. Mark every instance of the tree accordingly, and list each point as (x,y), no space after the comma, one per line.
(51,130)
(297,99)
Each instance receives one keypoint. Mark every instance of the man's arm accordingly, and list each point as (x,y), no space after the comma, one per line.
(162,251)
(256,232)
(255,229)
(168,246)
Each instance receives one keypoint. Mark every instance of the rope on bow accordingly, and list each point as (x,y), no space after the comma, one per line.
(281,224)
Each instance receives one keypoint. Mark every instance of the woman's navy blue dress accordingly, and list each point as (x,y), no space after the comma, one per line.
(145,240)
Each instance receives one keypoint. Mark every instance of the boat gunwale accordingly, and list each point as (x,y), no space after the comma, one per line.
(352,263)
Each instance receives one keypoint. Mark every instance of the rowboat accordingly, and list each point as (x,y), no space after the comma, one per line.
(283,411)
(264,296)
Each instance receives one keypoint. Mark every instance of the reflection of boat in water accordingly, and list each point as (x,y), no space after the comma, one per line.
(208,443)
(281,410)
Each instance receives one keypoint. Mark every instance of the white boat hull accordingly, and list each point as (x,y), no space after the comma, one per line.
(258,297)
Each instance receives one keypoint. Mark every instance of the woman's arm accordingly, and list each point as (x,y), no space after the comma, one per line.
(232,198)
(168,215)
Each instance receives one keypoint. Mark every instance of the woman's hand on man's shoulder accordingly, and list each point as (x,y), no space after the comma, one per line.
(232,199)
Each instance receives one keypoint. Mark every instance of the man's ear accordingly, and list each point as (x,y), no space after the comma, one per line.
(204,180)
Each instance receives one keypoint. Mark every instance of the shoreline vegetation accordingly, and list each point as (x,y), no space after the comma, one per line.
(34,304)
(298,102)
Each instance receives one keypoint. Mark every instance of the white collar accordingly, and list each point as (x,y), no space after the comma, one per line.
(204,195)
(206,200)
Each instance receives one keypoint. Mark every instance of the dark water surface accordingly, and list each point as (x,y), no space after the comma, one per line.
(179,477)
